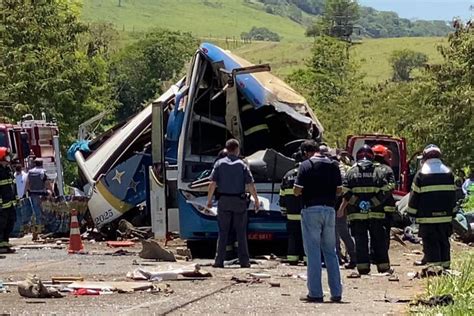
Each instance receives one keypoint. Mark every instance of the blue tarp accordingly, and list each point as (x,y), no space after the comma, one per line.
(81,145)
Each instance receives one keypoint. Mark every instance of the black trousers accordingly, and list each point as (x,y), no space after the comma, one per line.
(360,230)
(436,246)
(7,222)
(342,233)
(232,214)
(295,241)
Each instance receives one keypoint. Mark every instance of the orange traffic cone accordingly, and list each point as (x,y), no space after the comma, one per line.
(75,242)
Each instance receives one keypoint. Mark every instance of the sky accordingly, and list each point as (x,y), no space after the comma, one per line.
(424,9)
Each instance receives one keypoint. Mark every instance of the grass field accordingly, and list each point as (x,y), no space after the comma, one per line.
(372,54)
(203,18)
(215,20)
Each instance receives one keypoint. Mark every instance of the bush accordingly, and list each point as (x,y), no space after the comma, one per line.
(261,34)
(404,61)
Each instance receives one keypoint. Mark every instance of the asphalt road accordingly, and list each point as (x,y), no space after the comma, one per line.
(215,295)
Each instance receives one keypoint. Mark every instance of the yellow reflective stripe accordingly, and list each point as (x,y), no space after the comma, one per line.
(434,220)
(388,187)
(389,209)
(352,200)
(433,188)
(255,129)
(247,107)
(345,189)
(365,190)
(270,115)
(357,216)
(439,213)
(7,205)
(376,215)
(287,192)
(292,258)
(412,210)
(375,201)
(6,182)
(293,217)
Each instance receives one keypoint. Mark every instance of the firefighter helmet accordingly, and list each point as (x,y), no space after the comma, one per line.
(5,154)
(382,151)
(431,151)
(365,153)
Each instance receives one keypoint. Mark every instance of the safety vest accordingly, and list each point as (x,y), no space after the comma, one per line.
(366,182)
(433,194)
(289,203)
(7,188)
(36,180)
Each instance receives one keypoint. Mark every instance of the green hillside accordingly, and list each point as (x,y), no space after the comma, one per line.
(203,18)
(372,54)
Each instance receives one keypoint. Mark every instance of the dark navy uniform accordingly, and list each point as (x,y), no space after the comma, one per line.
(231,175)
(7,202)
(366,189)
(432,200)
(292,205)
(255,129)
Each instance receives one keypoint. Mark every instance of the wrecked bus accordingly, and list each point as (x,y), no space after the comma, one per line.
(163,156)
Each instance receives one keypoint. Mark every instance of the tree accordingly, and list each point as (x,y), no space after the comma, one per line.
(331,84)
(404,62)
(339,18)
(141,69)
(44,68)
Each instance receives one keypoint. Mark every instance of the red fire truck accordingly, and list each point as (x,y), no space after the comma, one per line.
(34,138)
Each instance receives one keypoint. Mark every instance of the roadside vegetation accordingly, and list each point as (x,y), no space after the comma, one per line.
(71,68)
(460,285)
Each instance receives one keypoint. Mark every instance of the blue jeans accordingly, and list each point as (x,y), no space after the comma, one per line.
(318,224)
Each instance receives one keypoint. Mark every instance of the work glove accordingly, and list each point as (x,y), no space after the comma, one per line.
(365,205)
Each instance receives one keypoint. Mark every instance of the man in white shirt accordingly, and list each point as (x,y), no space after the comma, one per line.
(22,216)
(20,178)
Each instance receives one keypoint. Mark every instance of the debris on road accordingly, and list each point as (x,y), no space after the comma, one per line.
(127,230)
(3,288)
(66,279)
(119,244)
(153,250)
(260,275)
(246,280)
(41,246)
(438,300)
(169,275)
(32,287)
(185,252)
(120,252)
(114,286)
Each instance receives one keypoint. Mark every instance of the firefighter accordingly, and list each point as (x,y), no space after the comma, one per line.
(292,205)
(432,201)
(384,157)
(366,189)
(255,129)
(7,201)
